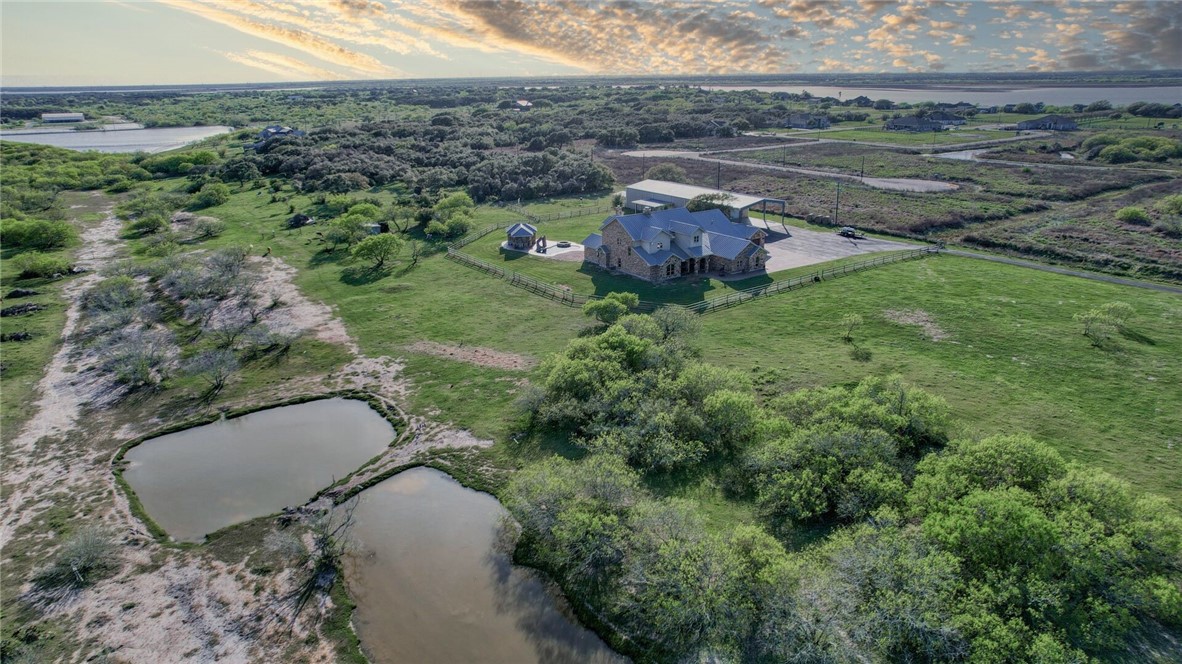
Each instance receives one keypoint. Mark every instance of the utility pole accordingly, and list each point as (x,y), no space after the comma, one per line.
(837,201)
(718,177)
(862,174)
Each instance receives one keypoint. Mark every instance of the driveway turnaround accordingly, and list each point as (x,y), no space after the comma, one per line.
(804,247)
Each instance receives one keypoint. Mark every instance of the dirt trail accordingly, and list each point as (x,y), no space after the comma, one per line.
(167,604)
(62,391)
(895,184)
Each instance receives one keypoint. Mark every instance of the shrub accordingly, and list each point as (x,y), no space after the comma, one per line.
(1133,215)
(210,194)
(84,558)
(34,264)
(207,227)
(36,234)
(1171,204)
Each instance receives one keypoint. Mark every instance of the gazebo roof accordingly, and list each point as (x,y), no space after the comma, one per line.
(521,230)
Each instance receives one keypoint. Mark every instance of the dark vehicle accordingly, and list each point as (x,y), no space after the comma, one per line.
(851,232)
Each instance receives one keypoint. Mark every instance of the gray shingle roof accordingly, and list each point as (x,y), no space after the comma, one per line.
(522,230)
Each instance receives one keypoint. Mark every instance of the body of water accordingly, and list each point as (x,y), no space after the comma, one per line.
(431,584)
(992,96)
(157,139)
(196,481)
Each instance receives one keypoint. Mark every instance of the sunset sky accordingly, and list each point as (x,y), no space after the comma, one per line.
(125,42)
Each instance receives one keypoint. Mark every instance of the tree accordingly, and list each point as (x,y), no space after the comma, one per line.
(613,305)
(668,172)
(214,366)
(1097,325)
(719,201)
(378,248)
(848,323)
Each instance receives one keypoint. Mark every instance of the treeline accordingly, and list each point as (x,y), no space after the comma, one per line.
(990,550)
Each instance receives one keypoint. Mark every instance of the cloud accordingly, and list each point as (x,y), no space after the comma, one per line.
(299,40)
(284,66)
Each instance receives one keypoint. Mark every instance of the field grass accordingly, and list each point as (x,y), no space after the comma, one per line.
(1013,360)
(917,139)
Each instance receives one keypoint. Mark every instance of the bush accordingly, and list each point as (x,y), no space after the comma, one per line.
(1171,204)
(1133,215)
(36,234)
(34,264)
(211,194)
(207,227)
(84,558)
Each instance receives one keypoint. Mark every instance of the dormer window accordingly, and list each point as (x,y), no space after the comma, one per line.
(697,239)
(660,245)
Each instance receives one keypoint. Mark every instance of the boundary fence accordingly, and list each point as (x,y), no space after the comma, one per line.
(571,299)
(563,214)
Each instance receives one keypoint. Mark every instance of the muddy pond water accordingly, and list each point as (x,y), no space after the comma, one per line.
(431,584)
(199,480)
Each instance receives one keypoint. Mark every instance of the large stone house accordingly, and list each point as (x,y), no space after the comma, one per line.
(661,245)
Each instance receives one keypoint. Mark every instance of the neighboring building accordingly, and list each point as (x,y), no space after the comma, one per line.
(665,244)
(521,236)
(808,121)
(946,119)
(522,105)
(271,132)
(276,130)
(912,123)
(658,194)
(1052,122)
(62,117)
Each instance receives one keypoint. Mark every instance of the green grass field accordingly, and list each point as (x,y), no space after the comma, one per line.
(1013,359)
(917,139)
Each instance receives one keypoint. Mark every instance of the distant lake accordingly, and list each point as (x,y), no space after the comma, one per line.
(984,96)
(116,140)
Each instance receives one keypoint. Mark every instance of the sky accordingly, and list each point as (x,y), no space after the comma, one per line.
(135,42)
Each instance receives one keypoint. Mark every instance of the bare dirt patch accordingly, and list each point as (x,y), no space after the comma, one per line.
(275,278)
(484,357)
(919,318)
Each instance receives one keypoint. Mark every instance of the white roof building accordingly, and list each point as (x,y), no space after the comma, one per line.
(62,117)
(658,194)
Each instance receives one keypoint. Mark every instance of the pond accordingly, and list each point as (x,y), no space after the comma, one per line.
(116,140)
(431,584)
(199,480)
(986,95)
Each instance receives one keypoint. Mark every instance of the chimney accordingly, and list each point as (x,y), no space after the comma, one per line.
(648,210)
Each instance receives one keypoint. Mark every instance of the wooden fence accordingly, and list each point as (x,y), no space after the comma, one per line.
(563,214)
(739,297)
(571,299)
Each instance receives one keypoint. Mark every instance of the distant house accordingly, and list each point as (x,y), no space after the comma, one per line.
(808,121)
(946,119)
(665,244)
(272,132)
(912,123)
(277,130)
(62,117)
(522,105)
(658,194)
(521,236)
(1051,122)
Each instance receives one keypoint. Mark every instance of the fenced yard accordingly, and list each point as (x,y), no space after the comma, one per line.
(574,283)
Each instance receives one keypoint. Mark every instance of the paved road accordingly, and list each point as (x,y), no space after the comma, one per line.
(1165,288)
(817,137)
(896,184)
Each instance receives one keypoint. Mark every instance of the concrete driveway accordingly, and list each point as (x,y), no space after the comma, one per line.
(805,247)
